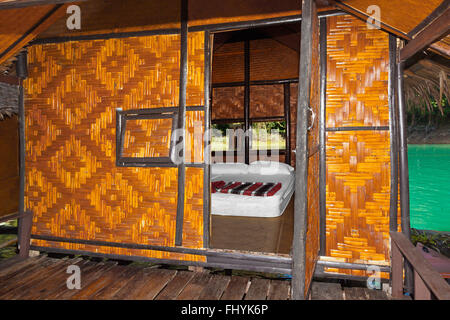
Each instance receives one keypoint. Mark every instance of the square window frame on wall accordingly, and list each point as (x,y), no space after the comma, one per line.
(144,114)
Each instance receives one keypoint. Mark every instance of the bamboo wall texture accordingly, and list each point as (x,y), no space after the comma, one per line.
(312,234)
(72,183)
(227,103)
(266,101)
(358,162)
(9,170)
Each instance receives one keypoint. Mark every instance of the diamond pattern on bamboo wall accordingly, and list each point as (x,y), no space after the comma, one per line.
(358,70)
(358,184)
(357,162)
(72,184)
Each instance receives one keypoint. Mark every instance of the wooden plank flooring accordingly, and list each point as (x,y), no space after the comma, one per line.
(43,277)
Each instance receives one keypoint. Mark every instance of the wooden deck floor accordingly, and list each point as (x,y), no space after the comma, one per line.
(43,277)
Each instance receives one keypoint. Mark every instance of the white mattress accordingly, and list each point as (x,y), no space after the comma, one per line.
(225,204)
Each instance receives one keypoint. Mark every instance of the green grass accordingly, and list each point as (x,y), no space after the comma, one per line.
(10,251)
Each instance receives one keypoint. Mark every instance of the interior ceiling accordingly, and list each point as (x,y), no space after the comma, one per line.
(19,26)
(287,34)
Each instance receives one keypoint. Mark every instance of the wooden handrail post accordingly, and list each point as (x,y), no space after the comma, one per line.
(25,222)
(429,282)
(397,271)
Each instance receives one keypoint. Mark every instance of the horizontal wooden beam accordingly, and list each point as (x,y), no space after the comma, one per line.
(436,30)
(441,48)
(433,280)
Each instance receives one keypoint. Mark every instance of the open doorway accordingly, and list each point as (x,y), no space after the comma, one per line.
(253,117)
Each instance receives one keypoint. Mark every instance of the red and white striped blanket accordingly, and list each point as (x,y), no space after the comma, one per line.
(259,189)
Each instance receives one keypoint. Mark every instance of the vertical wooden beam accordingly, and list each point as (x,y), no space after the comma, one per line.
(301,157)
(393,130)
(24,231)
(206,144)
(182,122)
(247,100)
(26,219)
(287,119)
(404,174)
(322,136)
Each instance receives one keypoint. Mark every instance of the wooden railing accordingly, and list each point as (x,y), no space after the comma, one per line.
(24,231)
(428,283)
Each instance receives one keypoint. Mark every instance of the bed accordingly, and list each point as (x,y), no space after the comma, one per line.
(250,222)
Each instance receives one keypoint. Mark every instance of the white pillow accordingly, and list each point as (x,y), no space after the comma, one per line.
(229,168)
(269,168)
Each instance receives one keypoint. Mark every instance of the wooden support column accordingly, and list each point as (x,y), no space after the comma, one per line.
(182,122)
(393,130)
(24,231)
(25,218)
(404,173)
(322,135)
(301,157)
(247,100)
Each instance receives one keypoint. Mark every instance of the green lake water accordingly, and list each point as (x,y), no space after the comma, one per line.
(429,186)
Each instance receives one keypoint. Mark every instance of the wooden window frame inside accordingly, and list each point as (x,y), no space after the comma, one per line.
(144,114)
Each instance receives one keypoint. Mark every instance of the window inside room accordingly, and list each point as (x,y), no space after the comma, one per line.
(144,137)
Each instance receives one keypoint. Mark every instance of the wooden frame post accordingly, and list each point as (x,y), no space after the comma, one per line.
(24,231)
(322,136)
(301,157)
(25,219)
(182,121)
(247,100)
(404,174)
(396,271)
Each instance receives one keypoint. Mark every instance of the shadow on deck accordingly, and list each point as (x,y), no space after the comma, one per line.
(43,277)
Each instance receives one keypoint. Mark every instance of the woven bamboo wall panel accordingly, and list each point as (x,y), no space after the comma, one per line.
(357,76)
(266,101)
(358,184)
(227,103)
(193,208)
(358,162)
(196,69)
(312,235)
(147,138)
(72,184)
(313,218)
(194,136)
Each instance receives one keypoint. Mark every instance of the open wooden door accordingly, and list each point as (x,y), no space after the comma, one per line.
(306,229)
